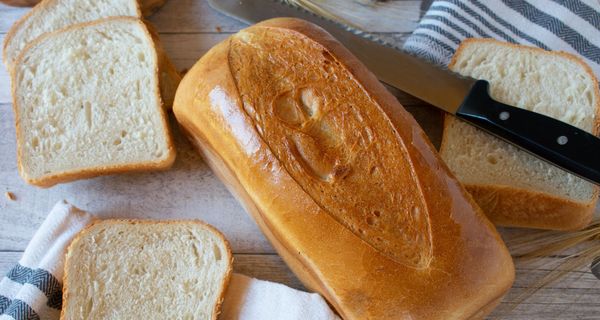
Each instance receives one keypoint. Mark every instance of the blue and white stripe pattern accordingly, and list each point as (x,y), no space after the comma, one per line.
(32,289)
(566,25)
(26,284)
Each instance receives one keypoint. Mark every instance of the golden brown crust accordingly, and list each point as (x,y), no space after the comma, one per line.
(88,229)
(66,176)
(469,267)
(515,207)
(20,3)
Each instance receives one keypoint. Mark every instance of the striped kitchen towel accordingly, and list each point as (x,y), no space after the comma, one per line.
(32,290)
(567,25)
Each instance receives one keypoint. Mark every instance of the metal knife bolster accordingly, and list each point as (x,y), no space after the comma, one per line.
(557,142)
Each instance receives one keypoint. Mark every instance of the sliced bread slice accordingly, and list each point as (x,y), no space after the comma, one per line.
(127,269)
(53,15)
(513,187)
(86,103)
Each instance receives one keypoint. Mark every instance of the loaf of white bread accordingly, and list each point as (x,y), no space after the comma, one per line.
(87,103)
(340,178)
(513,187)
(53,15)
(135,269)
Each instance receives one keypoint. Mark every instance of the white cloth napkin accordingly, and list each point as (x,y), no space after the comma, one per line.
(249,298)
(33,289)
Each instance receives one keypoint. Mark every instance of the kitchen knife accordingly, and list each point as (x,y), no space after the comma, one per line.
(566,146)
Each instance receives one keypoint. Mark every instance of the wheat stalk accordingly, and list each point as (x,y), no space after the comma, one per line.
(538,245)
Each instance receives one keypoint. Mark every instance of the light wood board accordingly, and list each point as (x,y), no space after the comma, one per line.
(188,28)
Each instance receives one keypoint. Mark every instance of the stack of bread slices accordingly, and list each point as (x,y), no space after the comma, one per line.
(89,81)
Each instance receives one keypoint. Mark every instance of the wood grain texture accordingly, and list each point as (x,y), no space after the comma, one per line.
(261,266)
(188,191)
(188,28)
(375,16)
(574,297)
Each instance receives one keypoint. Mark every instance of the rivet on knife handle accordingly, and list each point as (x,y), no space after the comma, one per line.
(566,146)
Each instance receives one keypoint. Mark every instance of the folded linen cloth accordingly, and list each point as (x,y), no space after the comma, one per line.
(249,298)
(33,289)
(567,25)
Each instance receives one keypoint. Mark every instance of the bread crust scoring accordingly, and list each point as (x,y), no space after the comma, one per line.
(470,268)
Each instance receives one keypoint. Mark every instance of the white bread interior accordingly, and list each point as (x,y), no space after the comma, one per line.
(53,15)
(554,84)
(86,101)
(118,269)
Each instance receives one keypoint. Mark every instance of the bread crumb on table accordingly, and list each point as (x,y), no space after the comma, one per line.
(10,196)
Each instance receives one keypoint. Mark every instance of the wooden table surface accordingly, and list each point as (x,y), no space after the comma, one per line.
(188,28)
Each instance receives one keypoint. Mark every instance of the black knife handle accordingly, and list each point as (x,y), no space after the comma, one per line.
(555,141)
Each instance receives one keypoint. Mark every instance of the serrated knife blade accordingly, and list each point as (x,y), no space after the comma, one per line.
(562,144)
(403,71)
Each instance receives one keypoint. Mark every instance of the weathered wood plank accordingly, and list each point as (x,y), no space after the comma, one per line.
(375,16)
(577,297)
(187,191)
(179,187)
(262,266)
(9,16)
(266,267)
(193,16)
(8,260)
(546,311)
(188,29)
(185,49)
(177,16)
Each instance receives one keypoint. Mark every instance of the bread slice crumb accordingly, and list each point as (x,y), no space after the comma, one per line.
(116,125)
(10,196)
(146,270)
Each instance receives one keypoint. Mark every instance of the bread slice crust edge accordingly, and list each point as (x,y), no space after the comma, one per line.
(517,207)
(17,25)
(169,76)
(67,176)
(87,229)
